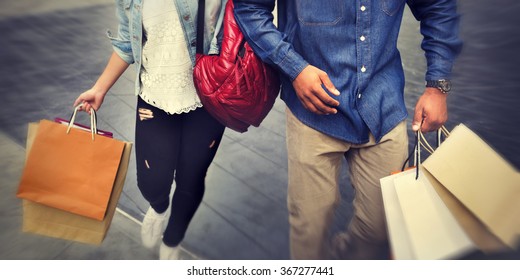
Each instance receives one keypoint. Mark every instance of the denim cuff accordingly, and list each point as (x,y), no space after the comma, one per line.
(292,64)
(438,68)
(122,48)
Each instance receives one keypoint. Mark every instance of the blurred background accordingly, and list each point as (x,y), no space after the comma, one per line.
(51,51)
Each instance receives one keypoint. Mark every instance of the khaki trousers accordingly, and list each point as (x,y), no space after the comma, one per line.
(313,192)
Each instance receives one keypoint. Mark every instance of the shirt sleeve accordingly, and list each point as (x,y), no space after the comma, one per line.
(255,19)
(121,43)
(440,28)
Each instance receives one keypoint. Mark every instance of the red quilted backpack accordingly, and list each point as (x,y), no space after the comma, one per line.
(235,87)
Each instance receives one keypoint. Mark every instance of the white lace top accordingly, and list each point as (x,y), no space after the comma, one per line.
(166,71)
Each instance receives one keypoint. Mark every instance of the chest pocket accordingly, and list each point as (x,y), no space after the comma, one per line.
(320,12)
(391,7)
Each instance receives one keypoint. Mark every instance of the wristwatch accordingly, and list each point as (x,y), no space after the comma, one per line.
(442,85)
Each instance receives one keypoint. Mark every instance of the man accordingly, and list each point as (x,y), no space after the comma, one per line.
(343,83)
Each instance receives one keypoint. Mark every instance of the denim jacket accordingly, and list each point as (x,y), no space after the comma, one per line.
(128,43)
(355,42)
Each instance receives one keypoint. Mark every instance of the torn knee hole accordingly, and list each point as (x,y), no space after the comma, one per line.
(145,114)
(212,144)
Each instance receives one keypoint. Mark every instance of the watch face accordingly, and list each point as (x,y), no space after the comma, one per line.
(445,85)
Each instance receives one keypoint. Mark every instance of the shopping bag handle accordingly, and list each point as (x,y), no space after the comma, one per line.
(422,142)
(93,120)
(443,131)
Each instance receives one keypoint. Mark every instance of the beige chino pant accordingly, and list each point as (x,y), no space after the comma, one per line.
(313,192)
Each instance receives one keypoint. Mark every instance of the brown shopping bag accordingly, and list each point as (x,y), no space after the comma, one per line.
(482,183)
(70,169)
(49,221)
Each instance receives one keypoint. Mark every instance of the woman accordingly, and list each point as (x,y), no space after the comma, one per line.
(175,138)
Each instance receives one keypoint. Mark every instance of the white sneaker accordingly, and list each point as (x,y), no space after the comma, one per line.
(153,227)
(169,253)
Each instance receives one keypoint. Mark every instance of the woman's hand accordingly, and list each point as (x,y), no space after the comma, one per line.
(91,98)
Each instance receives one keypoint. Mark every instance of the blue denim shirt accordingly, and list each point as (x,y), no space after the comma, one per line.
(128,43)
(355,42)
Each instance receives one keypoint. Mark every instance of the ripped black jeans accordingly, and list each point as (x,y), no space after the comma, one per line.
(180,147)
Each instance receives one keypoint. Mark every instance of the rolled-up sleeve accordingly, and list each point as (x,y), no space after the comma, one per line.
(121,42)
(440,28)
(255,18)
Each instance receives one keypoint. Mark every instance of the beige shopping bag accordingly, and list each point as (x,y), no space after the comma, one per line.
(49,221)
(420,226)
(484,182)
(481,236)
(417,218)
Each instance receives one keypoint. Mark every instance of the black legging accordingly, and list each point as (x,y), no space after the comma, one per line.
(181,144)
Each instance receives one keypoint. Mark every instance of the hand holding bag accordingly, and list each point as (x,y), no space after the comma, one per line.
(235,87)
(71,169)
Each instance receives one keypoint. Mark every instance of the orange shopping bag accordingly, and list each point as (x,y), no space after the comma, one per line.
(71,169)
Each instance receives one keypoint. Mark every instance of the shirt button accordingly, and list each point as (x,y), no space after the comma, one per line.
(362,38)
(363,69)
(363,8)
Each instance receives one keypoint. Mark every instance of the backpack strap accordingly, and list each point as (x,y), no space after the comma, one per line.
(200,26)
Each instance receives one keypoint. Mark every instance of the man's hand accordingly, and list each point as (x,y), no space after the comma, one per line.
(431,107)
(308,86)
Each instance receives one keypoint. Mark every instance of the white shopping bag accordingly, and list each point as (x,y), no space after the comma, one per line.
(419,223)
